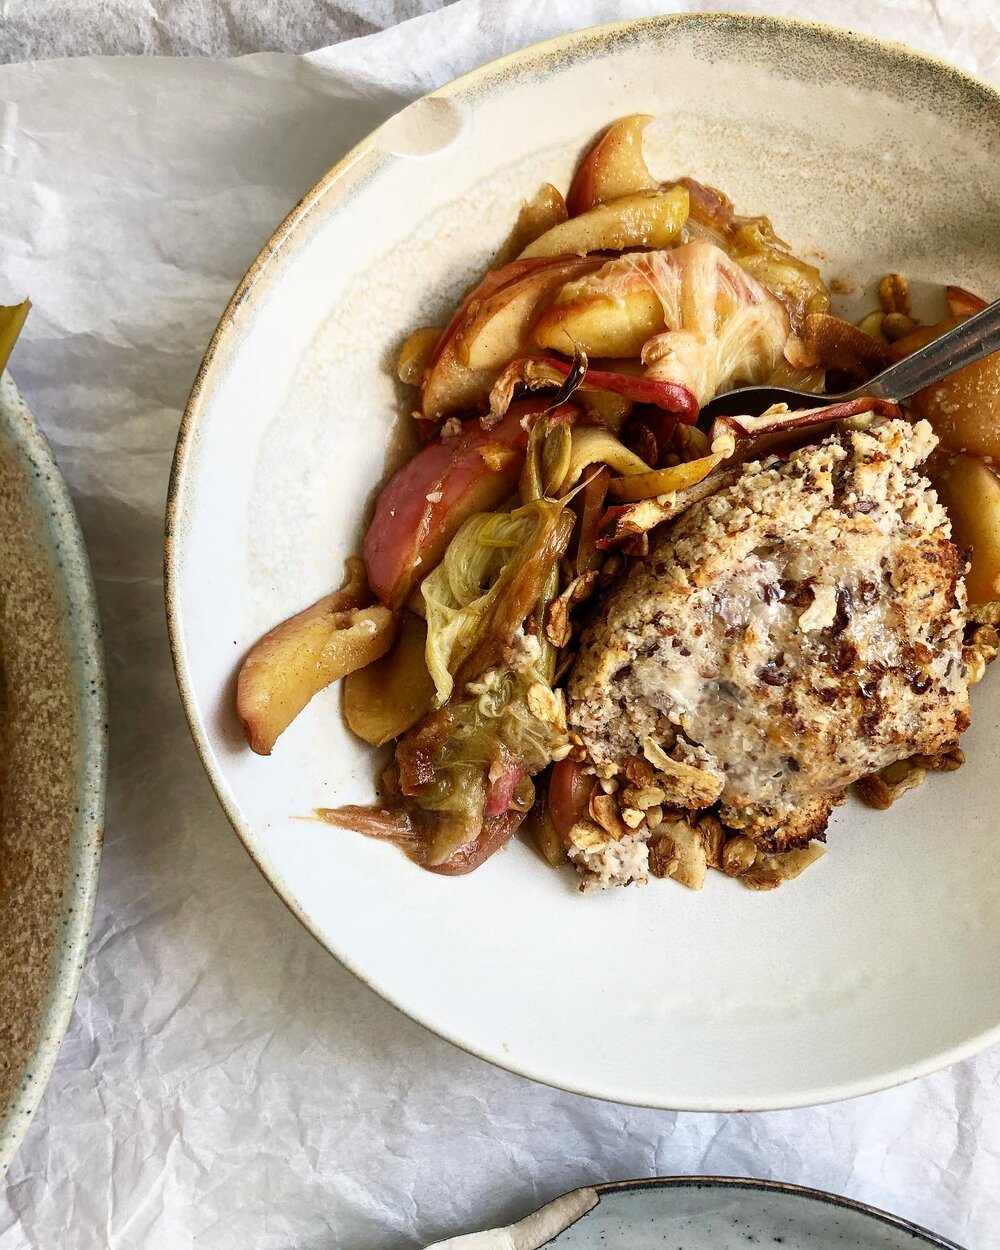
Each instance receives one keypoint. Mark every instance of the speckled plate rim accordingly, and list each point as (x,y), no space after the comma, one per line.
(71,577)
(357,167)
(895,1222)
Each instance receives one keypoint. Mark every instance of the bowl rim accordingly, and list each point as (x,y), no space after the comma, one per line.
(338,179)
(71,575)
(759,1185)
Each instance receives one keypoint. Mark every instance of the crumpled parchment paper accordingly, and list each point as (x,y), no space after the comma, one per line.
(33,29)
(225,1083)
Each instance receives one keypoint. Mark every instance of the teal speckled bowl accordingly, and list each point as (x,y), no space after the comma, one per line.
(53,729)
(709,1213)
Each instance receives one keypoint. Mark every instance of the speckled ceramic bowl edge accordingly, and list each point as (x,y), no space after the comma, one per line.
(895,1222)
(58,521)
(357,166)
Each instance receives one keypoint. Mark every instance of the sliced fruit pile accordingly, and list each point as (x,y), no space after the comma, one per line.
(557,413)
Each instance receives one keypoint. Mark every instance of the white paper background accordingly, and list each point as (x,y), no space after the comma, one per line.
(225,1083)
(32,29)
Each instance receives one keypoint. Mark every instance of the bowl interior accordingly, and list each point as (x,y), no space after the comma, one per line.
(882,962)
(52,729)
(729,1213)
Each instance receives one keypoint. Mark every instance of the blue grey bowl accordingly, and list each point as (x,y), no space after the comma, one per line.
(716,1213)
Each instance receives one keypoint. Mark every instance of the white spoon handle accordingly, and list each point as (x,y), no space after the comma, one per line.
(531,1232)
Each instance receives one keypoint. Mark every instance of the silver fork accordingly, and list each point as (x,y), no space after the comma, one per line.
(968,342)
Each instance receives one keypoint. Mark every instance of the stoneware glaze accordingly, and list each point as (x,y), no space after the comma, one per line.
(880,964)
(727,1213)
(53,734)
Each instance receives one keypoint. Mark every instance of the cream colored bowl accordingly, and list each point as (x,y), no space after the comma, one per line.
(52,762)
(881,963)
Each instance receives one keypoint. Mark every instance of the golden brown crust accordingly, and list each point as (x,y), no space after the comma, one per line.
(799,630)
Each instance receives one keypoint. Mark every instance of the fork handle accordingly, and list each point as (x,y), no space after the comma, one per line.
(969,341)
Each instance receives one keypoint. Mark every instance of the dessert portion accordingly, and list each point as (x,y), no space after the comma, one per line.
(653,643)
(791,634)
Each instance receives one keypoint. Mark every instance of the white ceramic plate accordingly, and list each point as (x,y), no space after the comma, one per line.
(880,964)
(711,1213)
